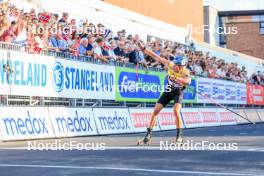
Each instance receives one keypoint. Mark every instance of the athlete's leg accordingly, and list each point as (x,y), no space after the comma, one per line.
(152,124)
(177,114)
(162,102)
(156,111)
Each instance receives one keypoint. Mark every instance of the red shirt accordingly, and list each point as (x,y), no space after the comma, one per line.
(44,18)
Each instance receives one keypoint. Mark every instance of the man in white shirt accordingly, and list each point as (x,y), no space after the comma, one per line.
(98,50)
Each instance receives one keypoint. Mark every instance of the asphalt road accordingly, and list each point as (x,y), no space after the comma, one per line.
(122,157)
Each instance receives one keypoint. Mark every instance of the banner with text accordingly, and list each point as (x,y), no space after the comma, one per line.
(226,92)
(255,94)
(37,75)
(112,120)
(141,117)
(142,86)
(68,122)
(138,86)
(18,123)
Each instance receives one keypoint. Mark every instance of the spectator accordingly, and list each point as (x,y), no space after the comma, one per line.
(220,72)
(111,52)
(98,50)
(64,18)
(119,50)
(62,43)
(90,46)
(212,71)
(197,68)
(83,46)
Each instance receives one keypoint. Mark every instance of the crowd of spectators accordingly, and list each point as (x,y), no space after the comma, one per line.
(48,31)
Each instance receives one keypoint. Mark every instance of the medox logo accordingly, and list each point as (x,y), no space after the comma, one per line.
(28,125)
(114,123)
(58,77)
(74,124)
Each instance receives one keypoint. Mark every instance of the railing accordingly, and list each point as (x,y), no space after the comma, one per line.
(69,56)
(15,100)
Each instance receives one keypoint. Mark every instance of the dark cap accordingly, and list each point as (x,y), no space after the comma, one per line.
(99,39)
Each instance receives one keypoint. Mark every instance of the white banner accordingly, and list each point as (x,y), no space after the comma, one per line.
(226,117)
(17,123)
(230,92)
(241,96)
(192,117)
(36,75)
(69,122)
(226,92)
(210,116)
(113,120)
(218,90)
(205,90)
(141,117)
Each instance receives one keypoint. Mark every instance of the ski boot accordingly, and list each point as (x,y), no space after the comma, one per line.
(147,138)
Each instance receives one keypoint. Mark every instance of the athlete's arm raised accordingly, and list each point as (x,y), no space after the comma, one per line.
(152,54)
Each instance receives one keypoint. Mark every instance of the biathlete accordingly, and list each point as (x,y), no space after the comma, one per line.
(178,79)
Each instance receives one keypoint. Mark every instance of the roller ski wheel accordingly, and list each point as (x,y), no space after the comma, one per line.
(178,141)
(146,140)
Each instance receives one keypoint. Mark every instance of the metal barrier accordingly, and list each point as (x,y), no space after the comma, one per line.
(69,56)
(12,100)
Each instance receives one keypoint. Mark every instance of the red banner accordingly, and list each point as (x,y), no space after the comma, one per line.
(255,94)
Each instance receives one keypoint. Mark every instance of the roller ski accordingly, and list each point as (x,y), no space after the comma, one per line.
(178,141)
(147,139)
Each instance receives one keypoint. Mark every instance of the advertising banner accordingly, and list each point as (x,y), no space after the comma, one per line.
(210,117)
(141,86)
(141,117)
(230,92)
(226,92)
(37,75)
(18,123)
(218,91)
(255,94)
(226,117)
(205,90)
(166,119)
(68,122)
(112,120)
(192,117)
(241,96)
